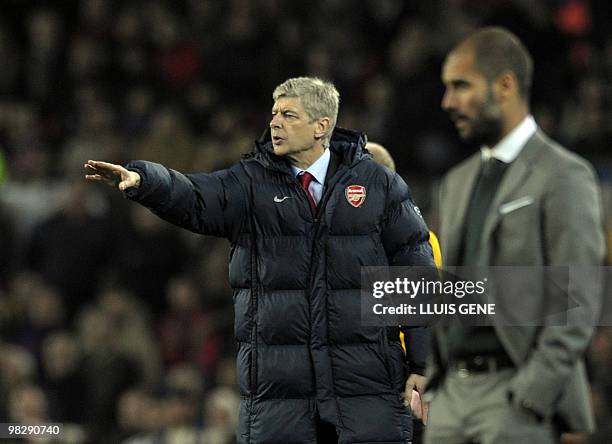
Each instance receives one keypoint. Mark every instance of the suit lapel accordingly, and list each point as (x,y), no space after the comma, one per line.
(515,176)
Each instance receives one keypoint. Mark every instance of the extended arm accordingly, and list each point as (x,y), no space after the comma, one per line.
(204,203)
(405,237)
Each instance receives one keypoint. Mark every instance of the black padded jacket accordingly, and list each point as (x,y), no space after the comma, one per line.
(295,274)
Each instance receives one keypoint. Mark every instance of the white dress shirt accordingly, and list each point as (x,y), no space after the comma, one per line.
(511,146)
(318,170)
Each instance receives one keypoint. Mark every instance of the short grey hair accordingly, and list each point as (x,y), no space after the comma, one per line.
(319,99)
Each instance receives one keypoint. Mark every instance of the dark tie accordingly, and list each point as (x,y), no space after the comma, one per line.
(305,179)
(460,341)
(491,174)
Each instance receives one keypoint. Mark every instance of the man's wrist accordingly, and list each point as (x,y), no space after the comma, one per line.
(134,191)
(137,179)
(415,369)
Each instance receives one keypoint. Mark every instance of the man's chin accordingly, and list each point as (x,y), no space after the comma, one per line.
(473,137)
(466,135)
(279,150)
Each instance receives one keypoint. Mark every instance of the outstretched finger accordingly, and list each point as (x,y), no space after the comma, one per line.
(105,165)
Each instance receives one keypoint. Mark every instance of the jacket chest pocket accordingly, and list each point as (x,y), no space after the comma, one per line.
(518,230)
(279,208)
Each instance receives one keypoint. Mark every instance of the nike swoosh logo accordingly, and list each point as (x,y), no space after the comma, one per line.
(281,199)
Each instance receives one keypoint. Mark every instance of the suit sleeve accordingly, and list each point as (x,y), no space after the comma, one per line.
(211,204)
(573,236)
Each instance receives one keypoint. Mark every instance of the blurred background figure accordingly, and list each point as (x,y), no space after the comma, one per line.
(221,415)
(187,332)
(28,405)
(520,200)
(63,377)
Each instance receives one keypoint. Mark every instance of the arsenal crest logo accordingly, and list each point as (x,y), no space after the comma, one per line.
(355,194)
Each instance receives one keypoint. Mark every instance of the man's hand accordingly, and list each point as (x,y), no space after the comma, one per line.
(112,175)
(416,384)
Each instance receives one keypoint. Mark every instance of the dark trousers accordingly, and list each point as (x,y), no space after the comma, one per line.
(417,431)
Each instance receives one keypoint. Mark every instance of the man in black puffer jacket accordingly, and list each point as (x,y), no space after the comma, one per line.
(303,212)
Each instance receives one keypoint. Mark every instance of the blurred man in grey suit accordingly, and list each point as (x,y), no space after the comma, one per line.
(522,200)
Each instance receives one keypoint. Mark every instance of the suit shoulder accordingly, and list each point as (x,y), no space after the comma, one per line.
(460,170)
(562,158)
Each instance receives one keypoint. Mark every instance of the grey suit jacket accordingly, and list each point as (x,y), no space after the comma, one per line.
(547,212)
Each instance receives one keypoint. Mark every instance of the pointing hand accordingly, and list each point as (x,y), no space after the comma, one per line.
(112,175)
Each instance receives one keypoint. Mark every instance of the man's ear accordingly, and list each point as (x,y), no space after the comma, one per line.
(322,127)
(506,86)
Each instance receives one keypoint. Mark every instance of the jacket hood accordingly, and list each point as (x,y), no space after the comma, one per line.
(348,145)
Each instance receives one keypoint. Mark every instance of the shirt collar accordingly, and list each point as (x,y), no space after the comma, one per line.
(318,169)
(510,146)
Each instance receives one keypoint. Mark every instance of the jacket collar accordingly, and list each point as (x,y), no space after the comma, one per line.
(347,148)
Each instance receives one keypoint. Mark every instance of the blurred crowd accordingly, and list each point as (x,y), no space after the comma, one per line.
(119,325)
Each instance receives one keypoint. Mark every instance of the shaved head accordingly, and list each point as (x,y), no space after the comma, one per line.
(381,155)
(497,50)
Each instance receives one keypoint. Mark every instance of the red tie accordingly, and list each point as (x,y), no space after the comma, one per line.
(305,179)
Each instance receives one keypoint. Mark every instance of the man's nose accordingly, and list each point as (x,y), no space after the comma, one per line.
(275,122)
(448,101)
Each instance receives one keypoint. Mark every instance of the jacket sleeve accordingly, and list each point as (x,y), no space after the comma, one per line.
(405,238)
(573,236)
(405,234)
(417,340)
(211,204)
